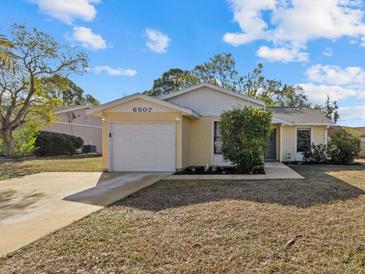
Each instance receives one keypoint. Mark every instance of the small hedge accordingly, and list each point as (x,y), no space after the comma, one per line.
(53,144)
(344,146)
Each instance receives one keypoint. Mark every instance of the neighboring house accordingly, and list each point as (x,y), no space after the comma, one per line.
(142,133)
(333,129)
(75,120)
(362,134)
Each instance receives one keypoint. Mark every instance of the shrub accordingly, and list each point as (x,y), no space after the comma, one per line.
(245,134)
(344,146)
(52,144)
(316,154)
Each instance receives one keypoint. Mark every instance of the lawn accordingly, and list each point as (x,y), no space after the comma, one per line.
(216,226)
(49,164)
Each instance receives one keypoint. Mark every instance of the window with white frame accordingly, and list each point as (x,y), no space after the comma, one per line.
(303,139)
(217,142)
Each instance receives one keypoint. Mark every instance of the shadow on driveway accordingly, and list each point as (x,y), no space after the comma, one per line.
(112,187)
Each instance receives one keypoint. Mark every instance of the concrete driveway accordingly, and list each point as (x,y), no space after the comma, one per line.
(35,205)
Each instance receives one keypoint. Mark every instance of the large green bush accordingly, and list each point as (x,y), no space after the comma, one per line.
(245,134)
(344,146)
(51,144)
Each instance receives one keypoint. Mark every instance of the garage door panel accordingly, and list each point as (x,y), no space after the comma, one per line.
(143,147)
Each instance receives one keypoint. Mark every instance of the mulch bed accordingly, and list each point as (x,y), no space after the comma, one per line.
(200,170)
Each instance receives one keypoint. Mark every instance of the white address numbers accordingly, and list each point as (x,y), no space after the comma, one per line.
(142,109)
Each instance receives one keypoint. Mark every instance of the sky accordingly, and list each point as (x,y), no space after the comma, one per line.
(318,45)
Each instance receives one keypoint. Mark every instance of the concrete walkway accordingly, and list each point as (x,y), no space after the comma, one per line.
(36,205)
(274,170)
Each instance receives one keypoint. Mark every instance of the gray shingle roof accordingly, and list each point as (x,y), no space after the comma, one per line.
(299,116)
(70,108)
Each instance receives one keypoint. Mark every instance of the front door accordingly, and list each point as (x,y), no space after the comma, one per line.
(271,147)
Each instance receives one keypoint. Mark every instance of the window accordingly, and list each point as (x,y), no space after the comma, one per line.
(217,139)
(303,139)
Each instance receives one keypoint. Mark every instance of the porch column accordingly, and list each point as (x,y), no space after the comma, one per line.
(281,143)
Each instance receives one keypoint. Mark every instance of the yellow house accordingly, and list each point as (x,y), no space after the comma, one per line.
(143,133)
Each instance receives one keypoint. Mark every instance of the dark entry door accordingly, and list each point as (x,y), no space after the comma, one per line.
(271,147)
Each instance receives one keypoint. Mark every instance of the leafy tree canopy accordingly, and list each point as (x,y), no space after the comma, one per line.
(221,70)
(25,93)
(68,92)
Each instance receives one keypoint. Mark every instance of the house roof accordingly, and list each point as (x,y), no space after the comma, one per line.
(214,87)
(97,110)
(64,109)
(297,116)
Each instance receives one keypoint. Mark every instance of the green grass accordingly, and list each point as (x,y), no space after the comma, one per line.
(216,227)
(18,168)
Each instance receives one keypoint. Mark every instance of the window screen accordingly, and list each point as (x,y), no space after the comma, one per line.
(303,139)
(217,139)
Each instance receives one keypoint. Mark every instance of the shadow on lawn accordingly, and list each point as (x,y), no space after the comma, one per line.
(318,187)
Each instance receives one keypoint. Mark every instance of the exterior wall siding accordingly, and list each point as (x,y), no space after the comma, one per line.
(201,144)
(208,102)
(289,139)
(185,142)
(80,124)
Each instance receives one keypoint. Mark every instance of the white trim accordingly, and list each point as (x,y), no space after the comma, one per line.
(98,109)
(214,161)
(226,91)
(71,109)
(325,136)
(77,125)
(310,124)
(281,144)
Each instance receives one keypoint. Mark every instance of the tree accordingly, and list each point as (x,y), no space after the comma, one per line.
(220,70)
(23,88)
(5,58)
(245,134)
(69,92)
(172,80)
(330,109)
(344,146)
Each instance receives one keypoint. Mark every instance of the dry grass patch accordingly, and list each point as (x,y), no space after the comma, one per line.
(18,168)
(216,226)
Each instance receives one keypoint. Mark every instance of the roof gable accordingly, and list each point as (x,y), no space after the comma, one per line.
(210,101)
(128,103)
(212,87)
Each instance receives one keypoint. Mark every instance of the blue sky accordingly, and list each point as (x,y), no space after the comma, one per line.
(317,44)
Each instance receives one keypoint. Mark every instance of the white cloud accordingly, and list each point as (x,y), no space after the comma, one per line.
(88,38)
(284,55)
(352,113)
(339,83)
(157,41)
(327,52)
(115,71)
(335,75)
(317,94)
(68,10)
(292,23)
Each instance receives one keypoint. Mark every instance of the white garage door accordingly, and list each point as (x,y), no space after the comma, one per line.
(142,147)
